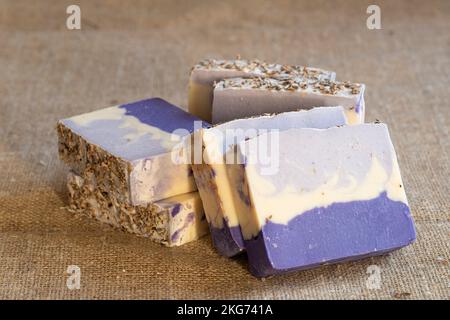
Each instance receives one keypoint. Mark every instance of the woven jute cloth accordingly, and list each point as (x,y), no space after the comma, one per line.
(128,52)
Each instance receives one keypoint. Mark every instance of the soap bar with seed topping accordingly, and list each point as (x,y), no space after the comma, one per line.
(337,196)
(172,222)
(208,71)
(220,177)
(132,149)
(243,97)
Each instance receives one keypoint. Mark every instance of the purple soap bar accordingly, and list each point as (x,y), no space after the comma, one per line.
(132,149)
(337,196)
(219,178)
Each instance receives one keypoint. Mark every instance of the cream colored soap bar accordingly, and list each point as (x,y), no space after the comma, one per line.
(208,71)
(220,178)
(172,222)
(244,97)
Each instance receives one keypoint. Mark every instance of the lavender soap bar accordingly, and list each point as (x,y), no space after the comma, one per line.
(172,222)
(131,149)
(337,196)
(244,97)
(208,71)
(220,177)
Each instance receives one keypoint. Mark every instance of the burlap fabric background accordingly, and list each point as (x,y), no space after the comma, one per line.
(128,52)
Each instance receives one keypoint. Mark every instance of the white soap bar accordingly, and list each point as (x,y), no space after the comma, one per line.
(244,97)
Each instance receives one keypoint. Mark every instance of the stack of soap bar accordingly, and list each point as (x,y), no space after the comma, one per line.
(244,97)
(172,222)
(220,177)
(133,151)
(337,196)
(208,71)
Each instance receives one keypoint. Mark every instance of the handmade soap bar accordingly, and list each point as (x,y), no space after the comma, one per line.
(220,177)
(131,149)
(238,97)
(337,196)
(208,71)
(172,222)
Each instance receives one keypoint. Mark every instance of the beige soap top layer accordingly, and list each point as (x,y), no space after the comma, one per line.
(295,84)
(257,67)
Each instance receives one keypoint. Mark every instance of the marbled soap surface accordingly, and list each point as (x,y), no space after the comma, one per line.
(321,167)
(337,195)
(135,130)
(220,142)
